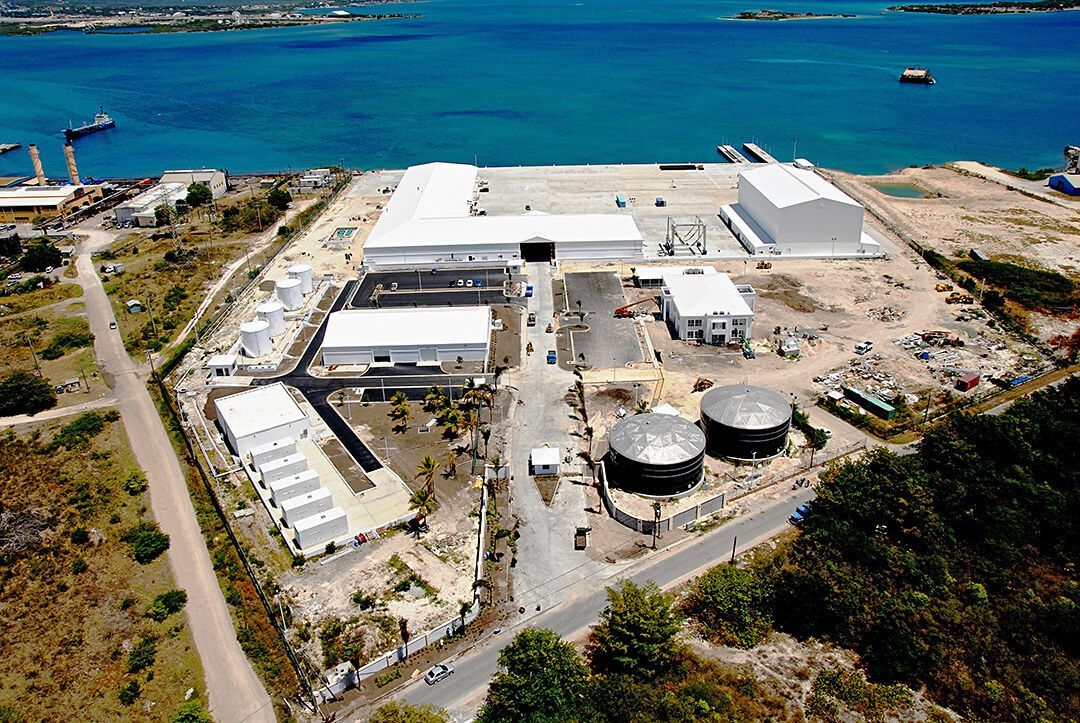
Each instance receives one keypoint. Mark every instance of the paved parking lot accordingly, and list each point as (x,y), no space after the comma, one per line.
(433,288)
(609,342)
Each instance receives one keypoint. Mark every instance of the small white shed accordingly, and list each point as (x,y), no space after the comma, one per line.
(544,460)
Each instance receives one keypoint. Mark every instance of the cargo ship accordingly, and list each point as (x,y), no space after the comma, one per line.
(917,75)
(102,122)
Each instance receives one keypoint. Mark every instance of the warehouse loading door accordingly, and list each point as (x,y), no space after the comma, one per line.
(538,250)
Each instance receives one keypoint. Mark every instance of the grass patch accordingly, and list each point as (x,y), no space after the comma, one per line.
(1031,288)
(72,591)
(17,303)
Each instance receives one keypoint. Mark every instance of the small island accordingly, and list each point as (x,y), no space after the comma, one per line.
(1002,7)
(781,15)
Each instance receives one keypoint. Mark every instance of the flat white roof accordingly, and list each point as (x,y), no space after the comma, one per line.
(545,457)
(169,192)
(270,446)
(408,327)
(569,228)
(432,205)
(319,518)
(222,360)
(25,196)
(258,409)
(786,185)
(706,295)
(662,272)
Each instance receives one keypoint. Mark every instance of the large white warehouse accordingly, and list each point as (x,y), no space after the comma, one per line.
(259,416)
(407,335)
(791,211)
(430,220)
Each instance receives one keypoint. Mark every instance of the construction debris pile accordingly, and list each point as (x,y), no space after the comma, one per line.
(886,313)
(866,373)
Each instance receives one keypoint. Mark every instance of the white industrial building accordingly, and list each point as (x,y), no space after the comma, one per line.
(707,307)
(260,416)
(789,211)
(407,335)
(217,181)
(433,218)
(652,277)
(139,211)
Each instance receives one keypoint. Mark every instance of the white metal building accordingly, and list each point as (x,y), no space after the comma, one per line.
(139,211)
(433,218)
(784,210)
(260,415)
(544,460)
(407,335)
(707,307)
(217,181)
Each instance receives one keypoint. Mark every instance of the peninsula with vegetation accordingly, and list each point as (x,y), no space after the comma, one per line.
(1003,7)
(169,20)
(782,15)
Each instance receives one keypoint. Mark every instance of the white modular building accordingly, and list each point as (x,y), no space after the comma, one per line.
(707,307)
(433,218)
(407,335)
(318,529)
(294,486)
(789,211)
(306,505)
(141,210)
(217,181)
(278,469)
(260,415)
(272,450)
(652,277)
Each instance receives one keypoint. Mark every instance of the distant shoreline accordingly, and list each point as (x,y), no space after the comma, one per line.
(1002,7)
(780,16)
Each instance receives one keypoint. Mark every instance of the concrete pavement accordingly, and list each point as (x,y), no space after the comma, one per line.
(464,691)
(232,688)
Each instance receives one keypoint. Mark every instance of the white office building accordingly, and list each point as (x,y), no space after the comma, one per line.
(261,415)
(141,210)
(217,181)
(707,307)
(433,218)
(789,211)
(407,335)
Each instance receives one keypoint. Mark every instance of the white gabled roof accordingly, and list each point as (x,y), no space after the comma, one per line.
(408,327)
(432,206)
(258,410)
(545,457)
(430,191)
(706,295)
(786,185)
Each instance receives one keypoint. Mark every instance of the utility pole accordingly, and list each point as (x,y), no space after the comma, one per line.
(150,309)
(150,358)
(30,346)
(734,544)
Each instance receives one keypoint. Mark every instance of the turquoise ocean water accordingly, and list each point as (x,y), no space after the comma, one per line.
(531,82)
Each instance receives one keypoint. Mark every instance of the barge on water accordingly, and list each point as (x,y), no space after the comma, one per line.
(917,75)
(102,122)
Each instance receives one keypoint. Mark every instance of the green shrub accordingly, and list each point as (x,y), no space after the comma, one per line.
(79,566)
(147,541)
(387,677)
(135,484)
(22,393)
(143,654)
(1031,288)
(80,536)
(130,692)
(166,604)
(191,712)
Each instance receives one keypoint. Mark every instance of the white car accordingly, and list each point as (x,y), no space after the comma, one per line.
(468,283)
(439,672)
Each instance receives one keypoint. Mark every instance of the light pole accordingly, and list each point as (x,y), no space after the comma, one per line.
(656,522)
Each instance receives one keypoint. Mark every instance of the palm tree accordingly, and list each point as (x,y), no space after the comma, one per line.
(423,501)
(450,460)
(484,584)
(399,398)
(642,407)
(485,434)
(434,398)
(401,413)
(426,470)
(464,609)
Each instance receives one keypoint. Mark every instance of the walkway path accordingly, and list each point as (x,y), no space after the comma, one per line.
(58,412)
(234,691)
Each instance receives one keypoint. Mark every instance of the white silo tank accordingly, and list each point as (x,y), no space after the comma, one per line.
(302,272)
(255,338)
(273,313)
(289,293)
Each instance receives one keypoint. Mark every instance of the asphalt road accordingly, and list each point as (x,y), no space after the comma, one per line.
(463,692)
(233,690)
(609,342)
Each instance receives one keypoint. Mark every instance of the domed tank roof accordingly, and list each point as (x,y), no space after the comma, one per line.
(745,407)
(656,439)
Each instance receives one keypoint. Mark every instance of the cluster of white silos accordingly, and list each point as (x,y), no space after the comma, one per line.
(290,292)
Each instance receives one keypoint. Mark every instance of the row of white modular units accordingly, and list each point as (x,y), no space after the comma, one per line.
(295,489)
